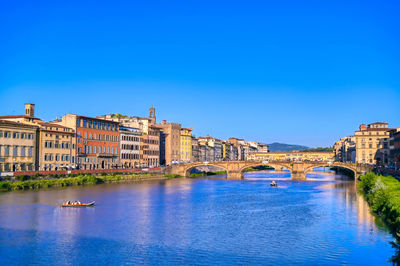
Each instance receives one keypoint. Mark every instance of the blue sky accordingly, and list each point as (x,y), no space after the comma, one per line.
(303,72)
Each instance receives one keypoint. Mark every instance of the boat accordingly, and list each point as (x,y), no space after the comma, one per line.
(273,184)
(90,204)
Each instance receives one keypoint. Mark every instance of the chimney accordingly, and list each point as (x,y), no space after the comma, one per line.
(363,127)
(30,109)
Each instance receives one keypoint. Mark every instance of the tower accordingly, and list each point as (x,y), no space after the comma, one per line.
(152,115)
(30,109)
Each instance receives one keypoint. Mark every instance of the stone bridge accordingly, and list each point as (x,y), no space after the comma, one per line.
(235,169)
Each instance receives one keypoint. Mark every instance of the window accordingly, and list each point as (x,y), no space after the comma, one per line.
(6,150)
(85,135)
(94,149)
(84,123)
(15,135)
(15,151)
(90,136)
(1,134)
(108,150)
(30,151)
(7,134)
(90,123)
(23,135)
(23,151)
(78,122)
(103,125)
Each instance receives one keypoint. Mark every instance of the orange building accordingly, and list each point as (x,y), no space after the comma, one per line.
(97,141)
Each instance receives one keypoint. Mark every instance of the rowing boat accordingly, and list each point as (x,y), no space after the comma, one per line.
(79,205)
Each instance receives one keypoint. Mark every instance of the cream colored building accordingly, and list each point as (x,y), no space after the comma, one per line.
(57,147)
(18,151)
(372,143)
(55,143)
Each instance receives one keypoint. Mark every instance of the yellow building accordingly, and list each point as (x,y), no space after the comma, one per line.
(17,147)
(55,144)
(186,144)
(56,147)
(291,156)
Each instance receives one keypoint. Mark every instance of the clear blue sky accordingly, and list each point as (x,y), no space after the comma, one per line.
(303,72)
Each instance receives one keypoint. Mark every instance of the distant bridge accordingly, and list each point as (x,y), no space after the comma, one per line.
(298,170)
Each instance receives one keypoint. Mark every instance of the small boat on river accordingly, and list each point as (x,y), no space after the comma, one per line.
(273,183)
(77,204)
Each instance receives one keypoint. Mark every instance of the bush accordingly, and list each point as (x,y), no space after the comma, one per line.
(383,195)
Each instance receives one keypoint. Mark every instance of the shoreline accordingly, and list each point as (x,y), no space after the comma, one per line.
(81,180)
(382,193)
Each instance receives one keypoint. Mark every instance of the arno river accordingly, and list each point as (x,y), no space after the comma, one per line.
(195,221)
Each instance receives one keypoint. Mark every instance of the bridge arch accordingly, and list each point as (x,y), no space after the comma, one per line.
(190,167)
(325,164)
(275,165)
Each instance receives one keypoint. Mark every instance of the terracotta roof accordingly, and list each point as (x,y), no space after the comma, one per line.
(95,118)
(51,125)
(379,123)
(17,123)
(17,116)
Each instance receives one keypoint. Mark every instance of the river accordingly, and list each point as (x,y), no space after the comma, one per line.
(196,221)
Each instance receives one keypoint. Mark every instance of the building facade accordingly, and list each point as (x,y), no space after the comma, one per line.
(345,150)
(150,147)
(129,147)
(170,141)
(150,135)
(18,147)
(372,143)
(186,144)
(195,150)
(97,141)
(395,148)
(57,147)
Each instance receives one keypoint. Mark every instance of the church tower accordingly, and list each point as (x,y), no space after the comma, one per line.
(152,115)
(30,109)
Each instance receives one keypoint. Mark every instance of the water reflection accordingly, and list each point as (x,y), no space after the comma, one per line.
(196,221)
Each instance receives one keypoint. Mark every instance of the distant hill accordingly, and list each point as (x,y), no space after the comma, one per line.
(282,147)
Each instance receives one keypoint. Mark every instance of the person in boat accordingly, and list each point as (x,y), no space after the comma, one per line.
(273,183)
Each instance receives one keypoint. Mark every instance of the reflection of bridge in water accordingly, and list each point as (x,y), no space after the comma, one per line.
(298,170)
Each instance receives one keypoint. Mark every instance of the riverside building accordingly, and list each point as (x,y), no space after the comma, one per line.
(18,150)
(186,144)
(129,147)
(97,141)
(170,151)
(372,143)
(55,144)
(150,135)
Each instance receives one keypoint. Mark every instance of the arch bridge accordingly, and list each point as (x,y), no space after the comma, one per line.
(298,170)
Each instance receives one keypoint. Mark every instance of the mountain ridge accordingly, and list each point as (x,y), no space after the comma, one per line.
(283,147)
